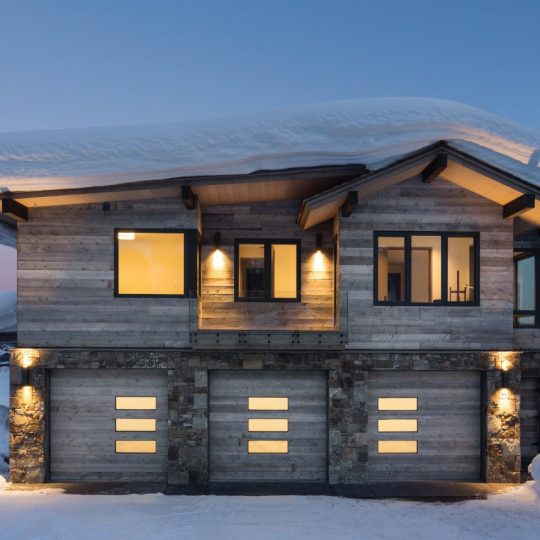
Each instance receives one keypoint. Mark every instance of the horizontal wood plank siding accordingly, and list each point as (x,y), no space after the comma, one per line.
(439,206)
(66,279)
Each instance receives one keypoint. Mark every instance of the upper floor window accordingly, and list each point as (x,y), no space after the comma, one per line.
(267,270)
(153,262)
(526,291)
(426,268)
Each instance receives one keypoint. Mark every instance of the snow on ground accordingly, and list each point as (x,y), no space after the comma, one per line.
(51,515)
(369,131)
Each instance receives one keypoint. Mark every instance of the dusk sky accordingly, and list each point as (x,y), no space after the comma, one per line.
(73,64)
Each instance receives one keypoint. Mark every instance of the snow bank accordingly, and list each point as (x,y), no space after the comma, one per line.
(8,311)
(534,468)
(369,131)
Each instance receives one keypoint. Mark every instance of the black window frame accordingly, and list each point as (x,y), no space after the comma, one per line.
(525,254)
(444,235)
(190,262)
(267,242)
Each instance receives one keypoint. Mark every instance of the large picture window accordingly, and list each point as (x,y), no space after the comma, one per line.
(526,289)
(425,268)
(267,270)
(154,262)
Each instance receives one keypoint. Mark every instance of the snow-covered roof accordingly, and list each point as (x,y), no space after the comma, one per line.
(370,131)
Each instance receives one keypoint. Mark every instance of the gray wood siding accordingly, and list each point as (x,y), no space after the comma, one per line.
(440,206)
(66,279)
(218,310)
(526,338)
(530,423)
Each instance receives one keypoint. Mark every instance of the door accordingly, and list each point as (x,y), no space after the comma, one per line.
(424,425)
(530,427)
(108,425)
(267,426)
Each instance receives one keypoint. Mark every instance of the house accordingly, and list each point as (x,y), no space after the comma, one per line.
(326,322)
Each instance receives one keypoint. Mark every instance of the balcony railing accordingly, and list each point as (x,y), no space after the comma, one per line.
(318,320)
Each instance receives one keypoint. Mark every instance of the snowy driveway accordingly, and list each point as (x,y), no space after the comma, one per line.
(28,515)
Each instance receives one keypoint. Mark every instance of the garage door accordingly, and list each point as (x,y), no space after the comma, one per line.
(424,426)
(530,427)
(108,425)
(267,426)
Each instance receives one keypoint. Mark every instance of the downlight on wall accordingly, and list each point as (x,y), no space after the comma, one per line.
(218,257)
(506,398)
(318,257)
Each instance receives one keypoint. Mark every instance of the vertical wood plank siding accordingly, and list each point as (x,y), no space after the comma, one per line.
(264,220)
(66,279)
(440,206)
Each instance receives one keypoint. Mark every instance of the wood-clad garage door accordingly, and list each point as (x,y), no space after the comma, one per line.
(268,426)
(530,426)
(424,426)
(108,425)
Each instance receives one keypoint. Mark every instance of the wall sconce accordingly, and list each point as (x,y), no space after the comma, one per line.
(217,240)
(318,241)
(25,370)
(506,366)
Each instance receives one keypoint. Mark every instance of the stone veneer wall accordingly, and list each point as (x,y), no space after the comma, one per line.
(188,403)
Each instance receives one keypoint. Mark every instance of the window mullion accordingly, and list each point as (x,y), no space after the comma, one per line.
(444,268)
(408,268)
(268,270)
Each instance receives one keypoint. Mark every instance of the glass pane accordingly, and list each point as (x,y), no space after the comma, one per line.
(268,424)
(268,447)
(391,269)
(397,447)
(251,270)
(135,447)
(145,403)
(426,269)
(397,425)
(460,269)
(398,404)
(525,284)
(525,320)
(135,424)
(268,404)
(284,271)
(150,263)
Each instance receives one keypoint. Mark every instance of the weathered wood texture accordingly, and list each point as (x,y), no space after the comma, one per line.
(66,279)
(82,420)
(449,442)
(218,310)
(228,426)
(440,206)
(8,235)
(530,422)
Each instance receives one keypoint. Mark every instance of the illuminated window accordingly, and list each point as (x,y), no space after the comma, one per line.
(141,403)
(398,404)
(268,404)
(267,270)
(426,268)
(397,425)
(154,263)
(135,424)
(268,447)
(526,289)
(135,447)
(268,424)
(397,447)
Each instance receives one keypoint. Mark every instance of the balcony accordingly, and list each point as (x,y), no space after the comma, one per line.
(317,321)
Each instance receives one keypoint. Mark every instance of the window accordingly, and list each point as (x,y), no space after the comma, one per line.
(155,262)
(267,270)
(426,268)
(526,289)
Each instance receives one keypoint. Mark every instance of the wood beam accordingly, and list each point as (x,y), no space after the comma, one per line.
(435,168)
(189,198)
(518,206)
(351,202)
(15,210)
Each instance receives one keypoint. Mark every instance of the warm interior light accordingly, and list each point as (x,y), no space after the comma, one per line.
(397,447)
(135,447)
(268,424)
(398,404)
(126,236)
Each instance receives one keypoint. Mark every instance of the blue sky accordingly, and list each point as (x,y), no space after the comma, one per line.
(83,63)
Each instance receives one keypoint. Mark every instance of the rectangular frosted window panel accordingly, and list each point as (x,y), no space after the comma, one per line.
(397,447)
(268,447)
(398,404)
(150,263)
(426,269)
(397,425)
(284,270)
(268,404)
(136,447)
(461,269)
(251,271)
(268,424)
(135,424)
(525,284)
(140,403)
(391,269)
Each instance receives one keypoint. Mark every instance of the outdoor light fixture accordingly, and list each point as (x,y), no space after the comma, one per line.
(318,241)
(506,366)
(25,370)
(217,240)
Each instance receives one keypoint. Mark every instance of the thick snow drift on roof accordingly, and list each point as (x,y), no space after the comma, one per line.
(369,131)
